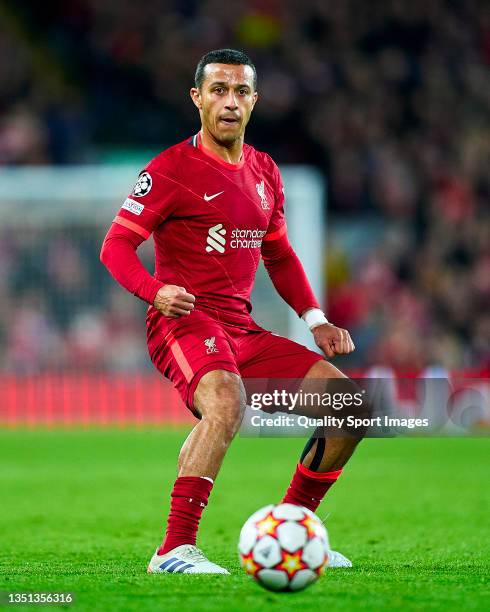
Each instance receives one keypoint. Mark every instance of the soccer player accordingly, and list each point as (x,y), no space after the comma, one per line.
(215,207)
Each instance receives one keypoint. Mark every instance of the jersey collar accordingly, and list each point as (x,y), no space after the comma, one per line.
(196,142)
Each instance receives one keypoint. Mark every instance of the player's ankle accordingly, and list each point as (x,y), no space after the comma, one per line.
(172,544)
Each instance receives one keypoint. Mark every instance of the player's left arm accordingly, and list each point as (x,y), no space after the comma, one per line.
(289,278)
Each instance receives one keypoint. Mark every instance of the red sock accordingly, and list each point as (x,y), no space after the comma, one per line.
(308,488)
(189,498)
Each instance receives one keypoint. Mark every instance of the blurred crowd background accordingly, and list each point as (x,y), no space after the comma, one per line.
(389,99)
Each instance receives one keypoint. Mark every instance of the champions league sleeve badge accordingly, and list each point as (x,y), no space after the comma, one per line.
(143,185)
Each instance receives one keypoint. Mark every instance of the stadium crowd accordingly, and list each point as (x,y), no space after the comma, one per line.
(390,100)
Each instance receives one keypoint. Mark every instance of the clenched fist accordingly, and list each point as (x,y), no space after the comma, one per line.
(333,340)
(173,301)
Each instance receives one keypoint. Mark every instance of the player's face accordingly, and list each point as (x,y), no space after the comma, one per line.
(225,100)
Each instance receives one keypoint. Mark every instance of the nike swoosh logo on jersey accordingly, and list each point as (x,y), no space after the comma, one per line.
(211,197)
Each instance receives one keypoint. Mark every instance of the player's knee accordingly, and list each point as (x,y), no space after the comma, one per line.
(349,403)
(323,369)
(221,400)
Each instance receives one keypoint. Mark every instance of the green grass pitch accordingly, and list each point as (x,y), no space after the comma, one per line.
(82,511)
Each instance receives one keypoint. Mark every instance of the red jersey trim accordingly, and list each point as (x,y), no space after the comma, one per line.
(132,226)
(277,234)
(217,158)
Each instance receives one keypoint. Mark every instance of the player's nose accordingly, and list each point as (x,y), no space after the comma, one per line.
(231,103)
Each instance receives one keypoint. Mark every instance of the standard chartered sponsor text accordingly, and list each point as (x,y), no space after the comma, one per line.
(246,238)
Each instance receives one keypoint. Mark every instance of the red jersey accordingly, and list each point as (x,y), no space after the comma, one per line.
(209,220)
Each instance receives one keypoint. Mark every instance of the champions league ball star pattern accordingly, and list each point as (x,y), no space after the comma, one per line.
(284,547)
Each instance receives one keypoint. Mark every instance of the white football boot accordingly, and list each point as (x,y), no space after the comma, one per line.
(336,559)
(185,559)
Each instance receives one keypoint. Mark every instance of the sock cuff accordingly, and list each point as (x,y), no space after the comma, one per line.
(330,476)
(192,486)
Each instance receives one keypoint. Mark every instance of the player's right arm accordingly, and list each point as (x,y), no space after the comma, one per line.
(152,200)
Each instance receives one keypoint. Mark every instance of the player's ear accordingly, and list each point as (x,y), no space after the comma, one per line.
(255,97)
(196,97)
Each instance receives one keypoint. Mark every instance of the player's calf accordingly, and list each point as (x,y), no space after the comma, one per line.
(220,400)
(330,447)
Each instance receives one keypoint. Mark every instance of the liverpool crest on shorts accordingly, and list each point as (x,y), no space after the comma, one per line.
(211,345)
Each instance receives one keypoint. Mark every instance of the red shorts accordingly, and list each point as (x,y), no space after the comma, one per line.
(184,349)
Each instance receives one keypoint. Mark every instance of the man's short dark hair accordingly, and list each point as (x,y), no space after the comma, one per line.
(223,56)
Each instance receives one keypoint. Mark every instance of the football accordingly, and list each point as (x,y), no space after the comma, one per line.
(283,547)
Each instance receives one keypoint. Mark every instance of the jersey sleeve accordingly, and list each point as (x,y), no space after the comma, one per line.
(118,254)
(277,224)
(282,263)
(153,199)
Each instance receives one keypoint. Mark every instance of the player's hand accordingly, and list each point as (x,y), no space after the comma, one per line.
(173,301)
(333,340)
